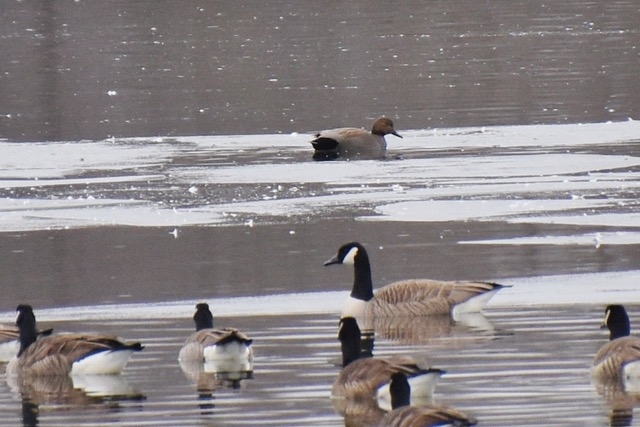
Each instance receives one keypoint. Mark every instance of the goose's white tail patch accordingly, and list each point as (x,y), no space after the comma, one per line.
(228,366)
(473,305)
(102,363)
(631,373)
(422,389)
(231,351)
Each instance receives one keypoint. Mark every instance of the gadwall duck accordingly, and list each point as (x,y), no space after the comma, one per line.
(415,297)
(619,359)
(226,349)
(354,143)
(66,354)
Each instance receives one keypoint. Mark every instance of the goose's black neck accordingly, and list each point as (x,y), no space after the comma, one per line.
(203,317)
(362,282)
(349,336)
(26,322)
(617,320)
(400,390)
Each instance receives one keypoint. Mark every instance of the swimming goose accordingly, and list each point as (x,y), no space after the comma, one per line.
(366,378)
(404,415)
(354,143)
(10,341)
(619,359)
(228,349)
(416,297)
(64,354)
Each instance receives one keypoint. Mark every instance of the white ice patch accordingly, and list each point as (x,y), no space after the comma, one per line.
(590,239)
(591,288)
(520,174)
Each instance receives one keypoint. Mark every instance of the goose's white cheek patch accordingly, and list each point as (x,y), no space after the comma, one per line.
(350,257)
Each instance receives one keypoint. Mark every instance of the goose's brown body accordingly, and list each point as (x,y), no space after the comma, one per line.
(57,354)
(418,297)
(362,378)
(194,347)
(65,354)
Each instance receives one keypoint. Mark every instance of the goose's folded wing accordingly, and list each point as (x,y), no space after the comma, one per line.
(615,354)
(71,346)
(364,376)
(8,334)
(54,355)
(207,337)
(425,296)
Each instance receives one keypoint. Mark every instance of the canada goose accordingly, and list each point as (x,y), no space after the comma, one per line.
(619,359)
(225,349)
(64,354)
(364,378)
(10,341)
(354,143)
(416,297)
(404,415)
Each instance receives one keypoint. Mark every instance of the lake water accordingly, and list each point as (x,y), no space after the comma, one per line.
(158,156)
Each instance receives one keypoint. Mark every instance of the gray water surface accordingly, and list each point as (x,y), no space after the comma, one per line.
(90,70)
(520,367)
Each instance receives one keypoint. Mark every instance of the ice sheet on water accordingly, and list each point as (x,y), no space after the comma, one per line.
(555,173)
(546,291)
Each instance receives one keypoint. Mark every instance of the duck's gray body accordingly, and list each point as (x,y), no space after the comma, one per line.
(354,143)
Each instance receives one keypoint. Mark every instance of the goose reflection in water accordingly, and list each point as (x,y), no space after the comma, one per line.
(620,400)
(360,393)
(99,392)
(466,328)
(209,377)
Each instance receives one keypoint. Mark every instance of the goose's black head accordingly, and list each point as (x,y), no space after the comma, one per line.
(349,253)
(400,390)
(26,323)
(203,317)
(617,321)
(353,253)
(350,338)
